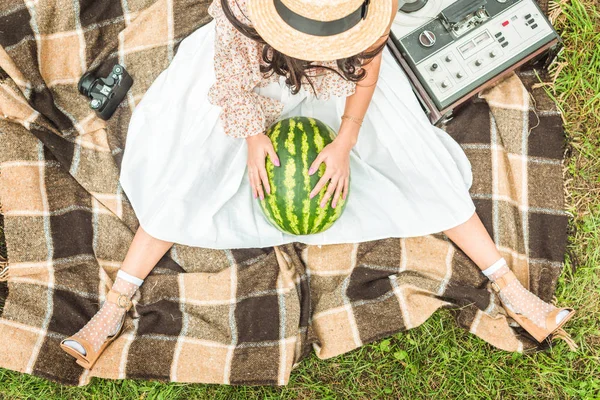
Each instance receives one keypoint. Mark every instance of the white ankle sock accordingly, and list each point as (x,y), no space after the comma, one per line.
(561,315)
(129,278)
(494,267)
(76,346)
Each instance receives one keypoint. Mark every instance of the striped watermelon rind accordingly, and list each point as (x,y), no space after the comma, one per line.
(297,142)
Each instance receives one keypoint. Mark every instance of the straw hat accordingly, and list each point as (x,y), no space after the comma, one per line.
(320,30)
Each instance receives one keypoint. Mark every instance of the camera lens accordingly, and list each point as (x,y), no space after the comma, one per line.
(85,83)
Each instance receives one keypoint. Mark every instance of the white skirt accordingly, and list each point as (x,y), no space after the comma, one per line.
(187,180)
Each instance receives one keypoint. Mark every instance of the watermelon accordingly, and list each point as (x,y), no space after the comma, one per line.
(297,141)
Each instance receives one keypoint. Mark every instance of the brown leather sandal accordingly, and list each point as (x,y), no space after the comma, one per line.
(88,360)
(552,330)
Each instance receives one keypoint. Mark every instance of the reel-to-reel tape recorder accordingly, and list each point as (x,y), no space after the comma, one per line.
(453,49)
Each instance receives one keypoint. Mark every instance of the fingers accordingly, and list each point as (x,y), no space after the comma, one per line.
(251,178)
(320,185)
(273,155)
(338,186)
(259,189)
(255,182)
(315,165)
(330,191)
(265,180)
(346,187)
(338,191)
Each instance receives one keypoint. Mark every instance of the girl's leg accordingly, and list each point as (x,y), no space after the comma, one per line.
(474,240)
(143,254)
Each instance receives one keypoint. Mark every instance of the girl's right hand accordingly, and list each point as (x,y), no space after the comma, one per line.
(259,146)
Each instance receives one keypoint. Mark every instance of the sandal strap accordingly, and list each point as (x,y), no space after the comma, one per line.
(501,282)
(120,299)
(560,333)
(551,319)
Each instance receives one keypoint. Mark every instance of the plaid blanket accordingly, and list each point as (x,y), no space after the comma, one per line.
(235,316)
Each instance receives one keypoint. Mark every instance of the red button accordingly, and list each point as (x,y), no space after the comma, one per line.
(505,23)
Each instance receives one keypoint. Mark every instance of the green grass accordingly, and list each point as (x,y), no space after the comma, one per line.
(437,359)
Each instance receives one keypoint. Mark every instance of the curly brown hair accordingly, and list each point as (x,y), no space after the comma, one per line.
(295,69)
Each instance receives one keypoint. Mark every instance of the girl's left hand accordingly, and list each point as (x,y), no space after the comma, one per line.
(336,156)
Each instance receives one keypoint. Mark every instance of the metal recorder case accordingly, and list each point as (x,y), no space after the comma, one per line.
(451,50)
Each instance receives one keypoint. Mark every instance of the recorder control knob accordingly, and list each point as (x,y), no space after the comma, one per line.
(445,84)
(95,104)
(433,67)
(478,62)
(427,38)
(459,75)
(448,58)
(493,53)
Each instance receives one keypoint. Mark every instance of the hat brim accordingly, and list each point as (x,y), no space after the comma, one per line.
(283,38)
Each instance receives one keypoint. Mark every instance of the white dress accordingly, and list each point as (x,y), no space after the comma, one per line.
(187,179)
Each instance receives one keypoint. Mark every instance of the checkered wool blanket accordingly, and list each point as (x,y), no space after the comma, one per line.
(236,316)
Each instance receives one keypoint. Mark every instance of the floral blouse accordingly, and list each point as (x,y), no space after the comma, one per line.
(237,61)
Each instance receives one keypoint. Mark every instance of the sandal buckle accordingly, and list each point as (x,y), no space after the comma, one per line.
(496,287)
(123,301)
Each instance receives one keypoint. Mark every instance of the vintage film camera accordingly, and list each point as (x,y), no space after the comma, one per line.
(453,49)
(106,93)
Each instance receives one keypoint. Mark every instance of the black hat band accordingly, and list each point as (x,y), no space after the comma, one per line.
(321,28)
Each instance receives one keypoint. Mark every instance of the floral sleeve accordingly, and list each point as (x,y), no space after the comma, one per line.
(236,63)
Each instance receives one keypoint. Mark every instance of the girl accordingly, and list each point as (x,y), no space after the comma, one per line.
(194,163)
